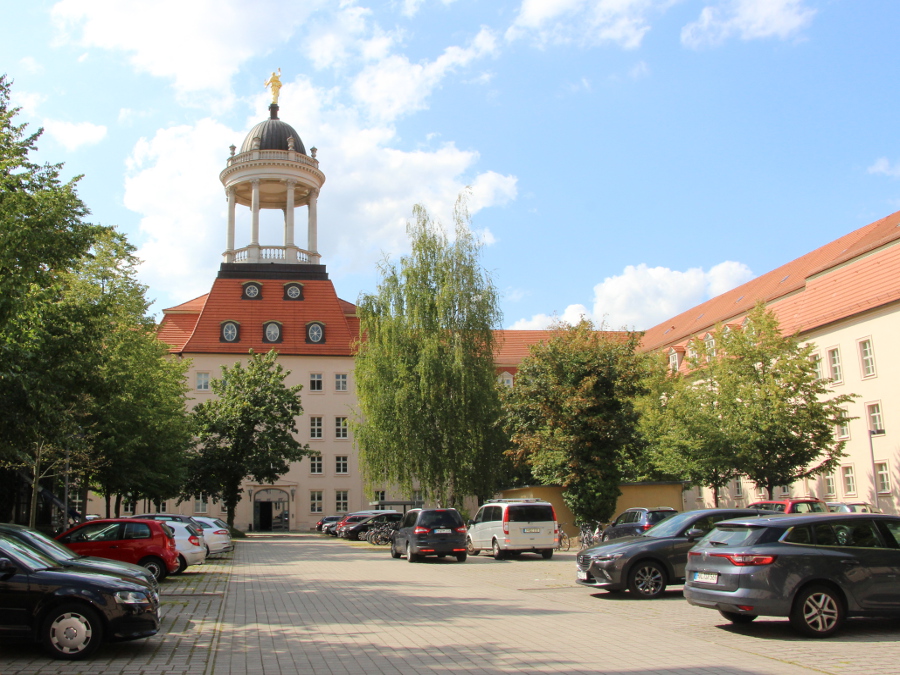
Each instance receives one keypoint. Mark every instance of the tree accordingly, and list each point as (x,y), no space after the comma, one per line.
(756,406)
(425,376)
(247,431)
(571,413)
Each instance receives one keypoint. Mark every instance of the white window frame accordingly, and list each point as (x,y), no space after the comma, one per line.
(505,379)
(315,427)
(342,465)
(816,359)
(866,358)
(784,490)
(842,428)
(848,479)
(316,382)
(883,477)
(341,501)
(738,488)
(835,369)
(316,501)
(340,382)
(202,381)
(709,343)
(341,428)
(875,416)
(830,485)
(128,506)
(201,505)
(315,464)
(379,495)
(673,361)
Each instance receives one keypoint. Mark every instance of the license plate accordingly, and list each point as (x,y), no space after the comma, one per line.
(531,530)
(706,577)
(582,576)
(446,531)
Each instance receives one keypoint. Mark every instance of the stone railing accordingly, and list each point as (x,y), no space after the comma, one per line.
(283,254)
(283,155)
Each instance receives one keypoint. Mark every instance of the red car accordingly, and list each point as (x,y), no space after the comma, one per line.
(791,505)
(148,543)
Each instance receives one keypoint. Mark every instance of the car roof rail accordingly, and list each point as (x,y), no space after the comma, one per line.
(527,500)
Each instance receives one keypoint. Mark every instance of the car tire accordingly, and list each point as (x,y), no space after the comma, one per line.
(818,612)
(410,556)
(182,565)
(736,618)
(547,553)
(461,557)
(497,551)
(647,580)
(605,537)
(470,547)
(155,566)
(72,631)
(208,553)
(394,552)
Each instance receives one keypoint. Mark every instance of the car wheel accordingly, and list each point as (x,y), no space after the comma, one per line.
(605,537)
(182,565)
(156,567)
(647,580)
(547,553)
(498,553)
(734,617)
(394,552)
(470,547)
(461,557)
(410,556)
(208,553)
(818,612)
(72,631)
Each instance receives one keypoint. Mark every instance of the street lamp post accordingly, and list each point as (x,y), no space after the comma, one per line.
(874,432)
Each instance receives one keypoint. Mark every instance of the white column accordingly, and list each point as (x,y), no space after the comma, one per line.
(312,234)
(229,238)
(254,211)
(289,214)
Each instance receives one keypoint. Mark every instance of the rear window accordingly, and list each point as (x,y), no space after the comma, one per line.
(654,517)
(432,519)
(727,535)
(530,513)
(137,531)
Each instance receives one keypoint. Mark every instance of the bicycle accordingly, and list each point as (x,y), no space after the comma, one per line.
(563,543)
(586,536)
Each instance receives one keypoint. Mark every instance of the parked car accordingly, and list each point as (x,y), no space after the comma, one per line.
(167,517)
(852,507)
(349,522)
(356,516)
(216,535)
(330,527)
(325,520)
(148,543)
(422,532)
(357,531)
(635,521)
(66,558)
(512,526)
(791,505)
(815,569)
(70,612)
(190,545)
(647,563)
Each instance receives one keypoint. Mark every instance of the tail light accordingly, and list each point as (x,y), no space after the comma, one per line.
(221,532)
(170,543)
(194,541)
(646,526)
(745,559)
(420,530)
(555,522)
(506,521)
(462,529)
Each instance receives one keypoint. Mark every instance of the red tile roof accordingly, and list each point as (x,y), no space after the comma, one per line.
(807,292)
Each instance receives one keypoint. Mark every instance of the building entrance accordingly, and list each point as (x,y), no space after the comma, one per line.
(271,510)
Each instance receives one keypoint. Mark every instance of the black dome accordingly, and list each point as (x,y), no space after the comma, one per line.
(273,135)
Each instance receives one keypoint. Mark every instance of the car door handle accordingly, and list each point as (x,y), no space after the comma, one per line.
(850,561)
(114,546)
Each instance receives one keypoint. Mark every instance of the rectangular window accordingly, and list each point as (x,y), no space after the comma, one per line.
(315,501)
(417,495)
(340,501)
(128,506)
(849,477)
(201,505)
(673,362)
(378,496)
(341,465)
(816,360)
(315,427)
(710,348)
(884,477)
(202,381)
(340,382)
(829,485)
(315,382)
(873,412)
(867,358)
(785,490)
(843,427)
(340,427)
(738,489)
(834,365)
(315,464)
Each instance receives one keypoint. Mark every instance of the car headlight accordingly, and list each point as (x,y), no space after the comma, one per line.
(601,558)
(131,598)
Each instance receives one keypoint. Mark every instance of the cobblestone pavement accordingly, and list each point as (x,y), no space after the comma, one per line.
(313,605)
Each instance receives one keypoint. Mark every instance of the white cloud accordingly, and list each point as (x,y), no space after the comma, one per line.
(585,22)
(883,166)
(28,101)
(643,296)
(30,64)
(363,207)
(393,87)
(748,20)
(348,34)
(199,45)
(74,135)
(409,8)
(639,70)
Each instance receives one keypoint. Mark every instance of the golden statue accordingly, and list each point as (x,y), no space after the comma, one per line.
(274,82)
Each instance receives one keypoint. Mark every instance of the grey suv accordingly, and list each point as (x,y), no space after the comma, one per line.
(439,532)
(636,521)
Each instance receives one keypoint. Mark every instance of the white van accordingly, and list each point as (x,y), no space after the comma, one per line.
(511,526)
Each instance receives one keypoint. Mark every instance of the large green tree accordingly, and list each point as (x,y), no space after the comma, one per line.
(753,405)
(571,413)
(247,431)
(425,375)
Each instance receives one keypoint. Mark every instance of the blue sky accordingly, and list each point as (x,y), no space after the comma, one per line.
(628,158)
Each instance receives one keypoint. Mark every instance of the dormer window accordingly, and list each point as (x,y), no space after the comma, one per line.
(229,331)
(710,343)
(674,360)
(506,379)
(252,291)
(315,333)
(272,332)
(293,291)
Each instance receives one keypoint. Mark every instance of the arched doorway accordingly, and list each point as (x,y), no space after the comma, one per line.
(271,510)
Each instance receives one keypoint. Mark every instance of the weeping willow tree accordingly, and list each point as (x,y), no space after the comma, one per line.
(425,377)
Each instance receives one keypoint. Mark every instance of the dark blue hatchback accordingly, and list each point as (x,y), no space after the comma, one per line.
(422,532)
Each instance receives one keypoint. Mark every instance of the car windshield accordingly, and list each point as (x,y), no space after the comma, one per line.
(25,554)
(670,526)
(49,547)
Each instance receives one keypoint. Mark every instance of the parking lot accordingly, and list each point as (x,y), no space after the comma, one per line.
(308,604)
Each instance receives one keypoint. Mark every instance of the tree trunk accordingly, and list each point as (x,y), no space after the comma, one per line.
(108,506)
(35,486)
(118,506)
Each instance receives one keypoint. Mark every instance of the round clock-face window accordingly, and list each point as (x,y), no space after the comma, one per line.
(293,292)
(273,332)
(315,333)
(251,291)
(230,332)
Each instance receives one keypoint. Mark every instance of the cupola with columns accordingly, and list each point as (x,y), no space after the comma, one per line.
(272,171)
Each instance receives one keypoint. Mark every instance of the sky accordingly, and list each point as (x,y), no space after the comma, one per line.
(624,159)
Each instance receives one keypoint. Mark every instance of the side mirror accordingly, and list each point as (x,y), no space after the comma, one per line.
(7,566)
(695,533)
